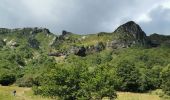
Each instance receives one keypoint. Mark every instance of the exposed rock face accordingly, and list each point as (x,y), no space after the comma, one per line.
(64,35)
(81,52)
(131,28)
(115,44)
(99,46)
(33,43)
(156,40)
(130,33)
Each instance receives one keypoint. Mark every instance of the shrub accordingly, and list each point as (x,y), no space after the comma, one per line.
(26,81)
(165,76)
(72,82)
(129,75)
(7,79)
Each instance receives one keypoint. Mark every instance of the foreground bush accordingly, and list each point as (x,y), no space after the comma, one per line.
(27,81)
(7,79)
(129,75)
(76,82)
(165,75)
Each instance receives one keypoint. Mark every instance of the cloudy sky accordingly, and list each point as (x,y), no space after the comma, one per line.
(86,16)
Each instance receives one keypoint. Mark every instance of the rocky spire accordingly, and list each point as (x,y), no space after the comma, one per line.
(131,31)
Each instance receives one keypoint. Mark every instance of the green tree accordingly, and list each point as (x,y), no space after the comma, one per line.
(7,78)
(75,81)
(129,75)
(150,78)
(103,82)
(165,76)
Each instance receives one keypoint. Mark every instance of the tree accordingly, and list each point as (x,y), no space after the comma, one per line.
(63,82)
(75,81)
(7,78)
(165,76)
(102,83)
(129,76)
(150,78)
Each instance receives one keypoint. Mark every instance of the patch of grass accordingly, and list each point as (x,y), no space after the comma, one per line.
(137,96)
(21,94)
(161,94)
(27,94)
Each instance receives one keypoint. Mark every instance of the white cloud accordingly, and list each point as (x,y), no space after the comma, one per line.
(166,4)
(160,22)
(144,18)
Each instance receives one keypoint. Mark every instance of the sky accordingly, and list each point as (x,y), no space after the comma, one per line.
(86,16)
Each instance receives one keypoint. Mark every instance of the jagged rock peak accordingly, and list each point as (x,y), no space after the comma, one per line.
(64,32)
(131,28)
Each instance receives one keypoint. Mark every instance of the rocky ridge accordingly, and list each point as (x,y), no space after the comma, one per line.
(126,35)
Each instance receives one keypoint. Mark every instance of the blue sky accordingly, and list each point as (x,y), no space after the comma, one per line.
(86,16)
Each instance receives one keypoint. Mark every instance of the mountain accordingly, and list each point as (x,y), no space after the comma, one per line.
(28,52)
(104,62)
(132,33)
(41,39)
(126,35)
(36,38)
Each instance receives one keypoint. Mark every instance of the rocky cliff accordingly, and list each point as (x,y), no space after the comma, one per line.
(131,33)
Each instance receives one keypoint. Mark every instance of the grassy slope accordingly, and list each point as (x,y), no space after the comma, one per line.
(22,94)
(137,96)
(26,94)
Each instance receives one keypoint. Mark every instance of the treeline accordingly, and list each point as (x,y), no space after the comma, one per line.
(98,75)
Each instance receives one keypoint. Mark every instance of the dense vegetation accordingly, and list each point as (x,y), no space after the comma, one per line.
(73,66)
(99,75)
(96,75)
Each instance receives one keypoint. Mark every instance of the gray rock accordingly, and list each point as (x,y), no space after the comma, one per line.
(33,43)
(129,34)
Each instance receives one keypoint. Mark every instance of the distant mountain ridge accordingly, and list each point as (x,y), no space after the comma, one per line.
(41,39)
(25,30)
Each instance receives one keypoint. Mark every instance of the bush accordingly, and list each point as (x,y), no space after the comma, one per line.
(129,75)
(165,76)
(26,81)
(150,79)
(7,79)
(72,82)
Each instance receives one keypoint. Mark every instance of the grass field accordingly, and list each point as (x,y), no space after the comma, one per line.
(27,94)
(137,96)
(21,94)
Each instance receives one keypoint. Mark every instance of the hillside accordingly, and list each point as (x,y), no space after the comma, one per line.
(27,94)
(91,65)
(41,39)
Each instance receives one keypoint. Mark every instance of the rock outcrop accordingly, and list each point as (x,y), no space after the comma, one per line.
(129,34)
(33,43)
(157,40)
(132,29)
(126,35)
